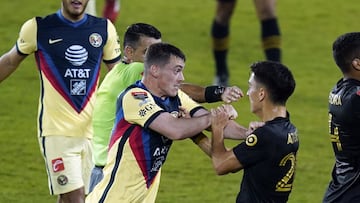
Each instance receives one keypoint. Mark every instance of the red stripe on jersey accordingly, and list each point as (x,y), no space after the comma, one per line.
(137,147)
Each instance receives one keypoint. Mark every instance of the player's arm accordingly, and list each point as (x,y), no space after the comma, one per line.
(112,50)
(103,120)
(9,62)
(212,94)
(180,128)
(25,45)
(201,140)
(224,160)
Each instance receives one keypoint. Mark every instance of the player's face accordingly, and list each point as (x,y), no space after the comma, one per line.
(253,93)
(138,54)
(171,76)
(74,10)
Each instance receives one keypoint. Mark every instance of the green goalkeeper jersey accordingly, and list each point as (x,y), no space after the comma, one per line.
(120,77)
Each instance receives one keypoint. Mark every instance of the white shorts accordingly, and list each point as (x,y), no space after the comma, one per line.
(68,163)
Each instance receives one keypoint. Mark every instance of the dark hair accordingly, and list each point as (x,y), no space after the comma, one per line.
(345,49)
(160,53)
(277,79)
(137,30)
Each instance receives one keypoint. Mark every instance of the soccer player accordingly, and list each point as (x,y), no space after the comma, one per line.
(69,46)
(268,155)
(220,32)
(138,37)
(344,119)
(148,119)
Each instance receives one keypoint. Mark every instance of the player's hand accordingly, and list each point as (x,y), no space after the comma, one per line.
(183,113)
(219,118)
(253,125)
(230,111)
(231,94)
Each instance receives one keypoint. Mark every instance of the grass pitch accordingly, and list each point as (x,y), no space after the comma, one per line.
(308,29)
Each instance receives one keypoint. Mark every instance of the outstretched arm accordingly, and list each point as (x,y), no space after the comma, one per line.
(9,62)
(212,94)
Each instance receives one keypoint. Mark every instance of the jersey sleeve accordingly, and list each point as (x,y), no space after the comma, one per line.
(139,107)
(188,103)
(112,50)
(27,42)
(252,150)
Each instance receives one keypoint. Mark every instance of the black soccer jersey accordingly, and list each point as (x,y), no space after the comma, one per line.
(269,159)
(344,129)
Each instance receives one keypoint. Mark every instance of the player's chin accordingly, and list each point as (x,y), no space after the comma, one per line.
(173,92)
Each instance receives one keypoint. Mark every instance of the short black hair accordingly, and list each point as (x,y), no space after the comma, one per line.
(160,53)
(137,30)
(277,79)
(345,49)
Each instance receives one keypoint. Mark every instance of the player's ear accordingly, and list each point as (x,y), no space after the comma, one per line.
(356,64)
(129,52)
(261,94)
(155,70)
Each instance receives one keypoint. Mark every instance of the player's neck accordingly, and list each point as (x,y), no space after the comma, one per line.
(273,111)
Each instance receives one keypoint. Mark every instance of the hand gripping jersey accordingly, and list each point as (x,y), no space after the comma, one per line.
(344,129)
(68,56)
(137,153)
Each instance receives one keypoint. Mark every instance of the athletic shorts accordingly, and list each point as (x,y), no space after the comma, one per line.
(68,163)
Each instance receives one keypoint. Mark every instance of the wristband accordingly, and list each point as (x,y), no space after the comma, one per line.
(196,139)
(213,93)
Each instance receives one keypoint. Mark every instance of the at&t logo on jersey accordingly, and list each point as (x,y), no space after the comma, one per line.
(76,55)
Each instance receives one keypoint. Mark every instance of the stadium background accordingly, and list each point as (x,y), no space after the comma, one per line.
(308,29)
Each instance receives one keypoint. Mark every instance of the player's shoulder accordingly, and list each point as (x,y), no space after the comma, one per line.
(92,18)
(134,67)
(30,23)
(351,92)
(134,92)
(48,19)
(182,95)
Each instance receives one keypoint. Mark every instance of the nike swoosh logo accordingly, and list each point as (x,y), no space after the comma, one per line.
(53,41)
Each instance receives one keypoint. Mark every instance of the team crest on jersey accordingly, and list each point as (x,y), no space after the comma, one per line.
(95,40)
(57,164)
(62,180)
(251,140)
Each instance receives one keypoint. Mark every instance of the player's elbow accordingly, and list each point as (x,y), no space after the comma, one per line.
(219,167)
(220,171)
(177,135)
